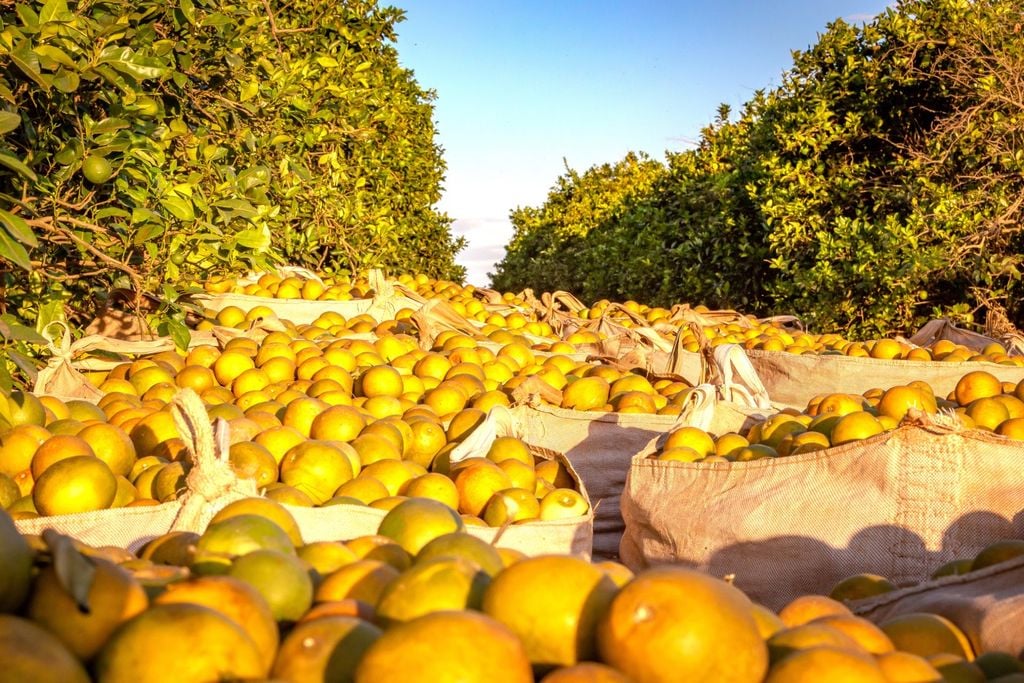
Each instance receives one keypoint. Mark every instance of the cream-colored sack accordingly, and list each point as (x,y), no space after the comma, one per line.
(385,304)
(898,504)
(794,380)
(211,484)
(987,605)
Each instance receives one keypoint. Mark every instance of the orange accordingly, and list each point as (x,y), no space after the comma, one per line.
(152,430)
(997,552)
(364,489)
(380,380)
(585,672)
(477,483)
(861,586)
(586,393)
(301,412)
(233,598)
(363,580)
(250,460)
(376,547)
(855,427)
(553,603)
(435,486)
(280,577)
(463,423)
(31,653)
(394,474)
(987,413)
(427,439)
(521,475)
(18,445)
(690,437)
(554,473)
(176,643)
(826,663)
(510,448)
(337,423)
(446,647)
(562,503)
(865,634)
(511,505)
(262,507)
(114,597)
(78,484)
(328,648)
(926,635)
(977,384)
(641,631)
(371,447)
(417,521)
(463,545)
(784,643)
(895,402)
(111,445)
(230,365)
(903,667)
(434,585)
(56,448)
(279,440)
(317,468)
(807,608)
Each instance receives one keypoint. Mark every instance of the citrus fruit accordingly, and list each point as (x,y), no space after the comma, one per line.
(553,603)
(179,643)
(328,648)
(280,577)
(443,583)
(641,631)
(417,521)
(446,647)
(31,653)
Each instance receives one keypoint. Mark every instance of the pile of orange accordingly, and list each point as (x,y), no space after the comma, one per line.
(422,600)
(979,401)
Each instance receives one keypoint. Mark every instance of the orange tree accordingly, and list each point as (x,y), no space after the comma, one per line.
(144,141)
(880,184)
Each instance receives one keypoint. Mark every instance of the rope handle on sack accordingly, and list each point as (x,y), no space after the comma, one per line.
(732,362)
(211,476)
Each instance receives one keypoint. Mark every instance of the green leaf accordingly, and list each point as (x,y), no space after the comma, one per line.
(29,19)
(55,55)
(25,364)
(179,208)
(28,62)
(178,332)
(54,10)
(17,165)
(253,238)
(6,381)
(188,10)
(66,81)
(249,90)
(14,252)
(327,62)
(8,121)
(18,228)
(15,331)
(125,60)
(50,312)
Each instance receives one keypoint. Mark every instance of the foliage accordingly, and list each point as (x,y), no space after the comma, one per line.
(548,241)
(235,135)
(880,184)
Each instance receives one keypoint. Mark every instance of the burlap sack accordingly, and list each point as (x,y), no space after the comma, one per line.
(987,605)
(794,380)
(211,484)
(898,504)
(387,302)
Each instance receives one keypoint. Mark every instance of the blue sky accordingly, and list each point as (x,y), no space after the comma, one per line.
(524,88)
